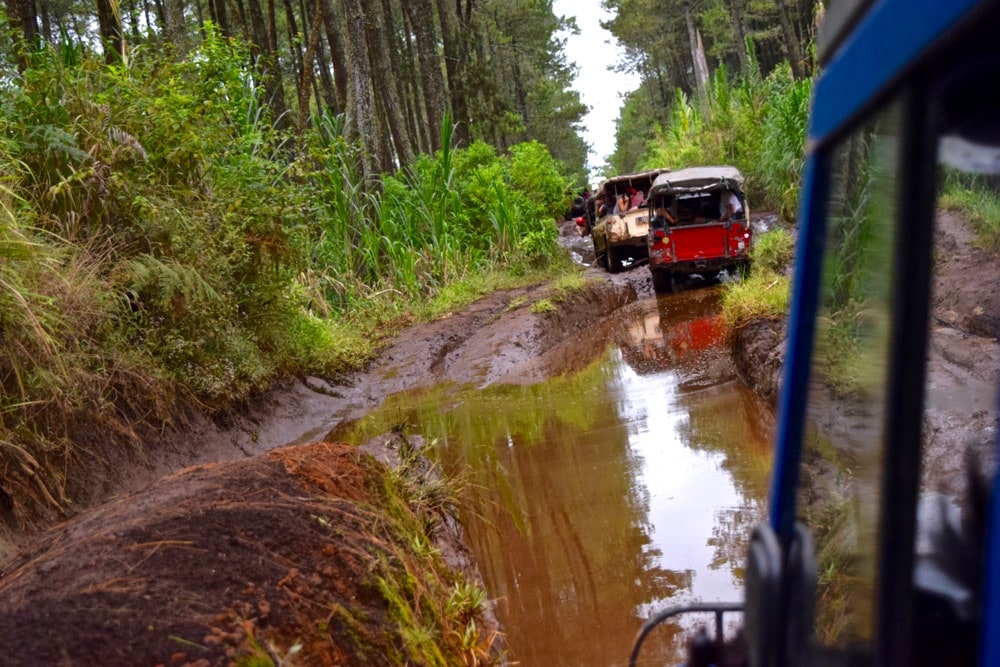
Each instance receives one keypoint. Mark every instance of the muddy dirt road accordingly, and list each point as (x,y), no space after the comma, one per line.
(110,552)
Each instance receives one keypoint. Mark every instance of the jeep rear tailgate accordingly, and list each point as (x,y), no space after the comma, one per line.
(699,242)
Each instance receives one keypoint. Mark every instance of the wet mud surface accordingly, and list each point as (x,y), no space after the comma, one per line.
(498,339)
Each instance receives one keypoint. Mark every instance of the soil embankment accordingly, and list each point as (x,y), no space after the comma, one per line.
(261,552)
(294,552)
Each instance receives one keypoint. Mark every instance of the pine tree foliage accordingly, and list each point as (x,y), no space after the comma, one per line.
(658,41)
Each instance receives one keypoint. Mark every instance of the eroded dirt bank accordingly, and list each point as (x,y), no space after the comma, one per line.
(305,552)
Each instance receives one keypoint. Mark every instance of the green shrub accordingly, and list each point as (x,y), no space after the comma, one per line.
(781,158)
(773,251)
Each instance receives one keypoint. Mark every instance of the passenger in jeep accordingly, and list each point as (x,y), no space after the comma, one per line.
(606,206)
(664,213)
(631,200)
(729,206)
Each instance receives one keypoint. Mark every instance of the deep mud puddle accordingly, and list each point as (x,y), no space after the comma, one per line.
(609,491)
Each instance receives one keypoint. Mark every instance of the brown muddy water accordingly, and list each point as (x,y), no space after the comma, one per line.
(605,494)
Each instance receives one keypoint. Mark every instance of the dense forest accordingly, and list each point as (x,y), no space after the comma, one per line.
(394,69)
(723,82)
(198,198)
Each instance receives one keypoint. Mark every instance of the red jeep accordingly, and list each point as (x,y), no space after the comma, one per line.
(699,223)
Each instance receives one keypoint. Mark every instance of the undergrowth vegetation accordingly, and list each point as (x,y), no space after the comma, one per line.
(754,123)
(976,198)
(765,292)
(440,613)
(162,242)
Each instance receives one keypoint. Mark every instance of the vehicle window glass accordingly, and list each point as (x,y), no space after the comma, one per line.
(842,454)
(963,356)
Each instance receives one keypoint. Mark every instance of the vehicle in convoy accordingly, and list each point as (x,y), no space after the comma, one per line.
(620,235)
(689,232)
(582,213)
(866,558)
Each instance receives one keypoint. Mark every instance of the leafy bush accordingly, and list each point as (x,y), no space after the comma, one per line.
(781,159)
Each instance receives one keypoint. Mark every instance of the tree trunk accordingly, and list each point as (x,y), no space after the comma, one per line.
(416,104)
(408,87)
(395,93)
(45,16)
(333,23)
(175,27)
(219,14)
(697,52)
(791,40)
(277,97)
(361,107)
(23,21)
(267,63)
(736,11)
(380,50)
(432,81)
(327,91)
(453,67)
(295,38)
(305,84)
(110,27)
(245,24)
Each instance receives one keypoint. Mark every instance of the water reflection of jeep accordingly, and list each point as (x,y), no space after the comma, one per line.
(620,230)
(699,223)
(685,332)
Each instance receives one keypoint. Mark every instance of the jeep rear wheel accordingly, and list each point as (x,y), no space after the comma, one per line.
(663,281)
(614,259)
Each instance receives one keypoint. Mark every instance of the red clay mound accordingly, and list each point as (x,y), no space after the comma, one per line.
(291,553)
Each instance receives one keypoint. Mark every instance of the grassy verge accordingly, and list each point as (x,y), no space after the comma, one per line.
(441,614)
(976,202)
(765,292)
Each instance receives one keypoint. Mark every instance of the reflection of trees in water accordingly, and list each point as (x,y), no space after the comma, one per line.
(738,425)
(556,517)
(731,536)
(734,422)
(585,563)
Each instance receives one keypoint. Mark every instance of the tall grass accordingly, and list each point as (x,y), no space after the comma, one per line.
(160,240)
(756,124)
(766,292)
(977,198)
